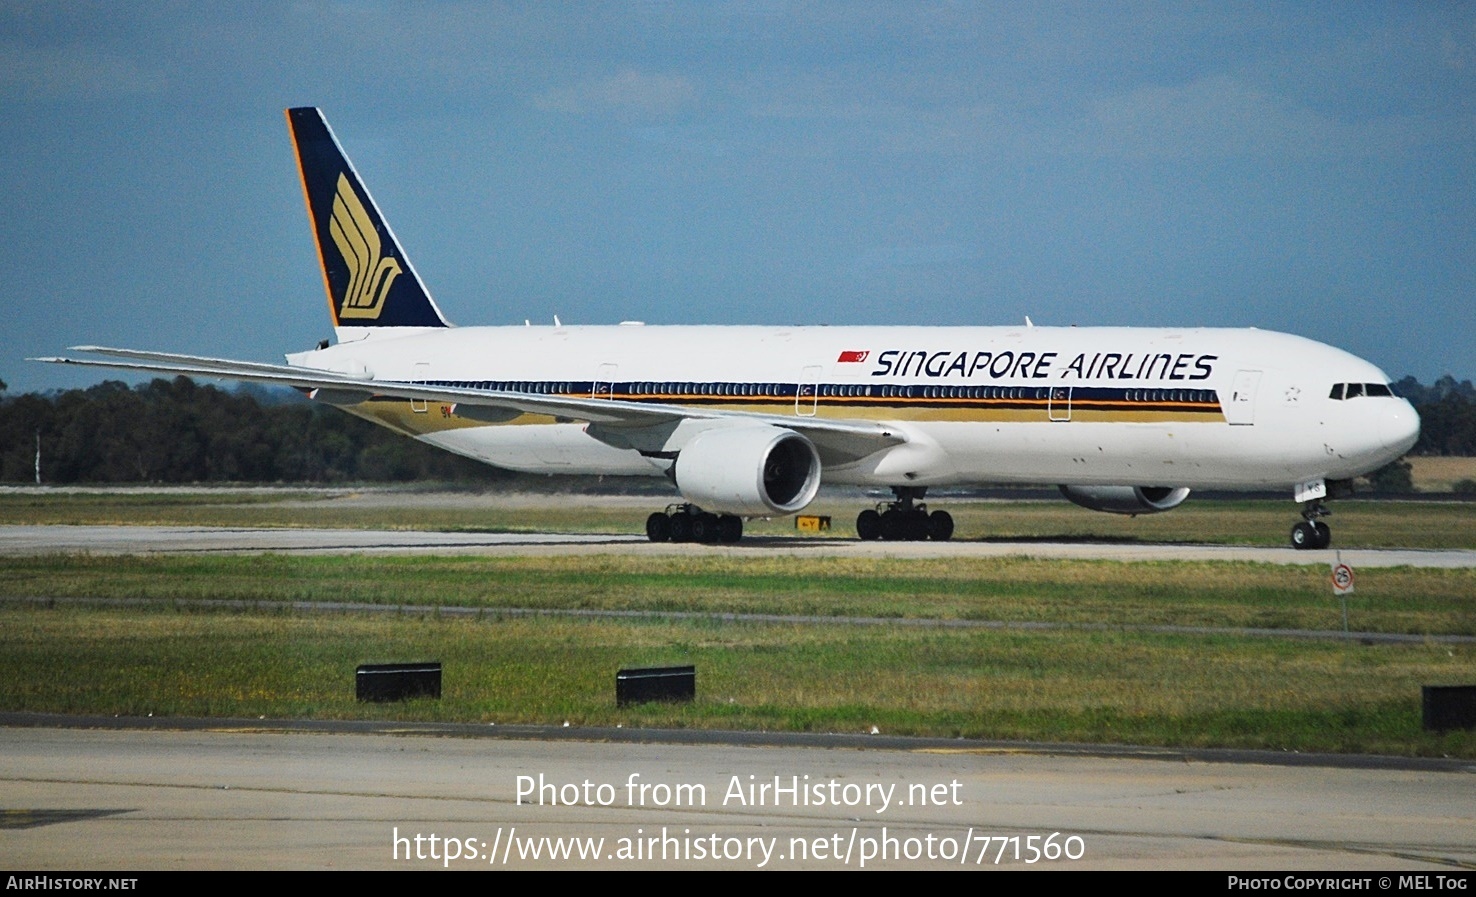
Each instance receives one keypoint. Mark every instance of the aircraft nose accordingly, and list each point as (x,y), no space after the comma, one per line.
(1399,427)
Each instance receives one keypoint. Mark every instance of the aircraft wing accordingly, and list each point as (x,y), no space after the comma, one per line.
(838,441)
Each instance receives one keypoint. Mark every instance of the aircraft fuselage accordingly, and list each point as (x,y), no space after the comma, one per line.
(1192,407)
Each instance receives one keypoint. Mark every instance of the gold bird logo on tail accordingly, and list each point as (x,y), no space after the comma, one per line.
(370,274)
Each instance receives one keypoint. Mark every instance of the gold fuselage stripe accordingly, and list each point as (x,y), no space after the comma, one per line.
(401,415)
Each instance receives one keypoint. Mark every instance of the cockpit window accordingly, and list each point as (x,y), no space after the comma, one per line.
(1359,390)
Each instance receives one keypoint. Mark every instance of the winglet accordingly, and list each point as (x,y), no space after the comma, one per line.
(369,279)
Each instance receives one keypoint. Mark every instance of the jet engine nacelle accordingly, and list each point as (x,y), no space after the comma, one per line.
(1126,499)
(754,471)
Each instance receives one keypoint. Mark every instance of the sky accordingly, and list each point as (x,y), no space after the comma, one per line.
(1304,167)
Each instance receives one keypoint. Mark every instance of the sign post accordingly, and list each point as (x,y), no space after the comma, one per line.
(1342,581)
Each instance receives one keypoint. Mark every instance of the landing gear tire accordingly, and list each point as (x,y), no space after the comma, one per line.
(658,527)
(704,528)
(682,529)
(730,528)
(869,525)
(891,525)
(1309,535)
(916,527)
(940,526)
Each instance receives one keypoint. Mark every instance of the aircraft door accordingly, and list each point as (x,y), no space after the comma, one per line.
(422,368)
(1058,403)
(1241,408)
(604,383)
(807,393)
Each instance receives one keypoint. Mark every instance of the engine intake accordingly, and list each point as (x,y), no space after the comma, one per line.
(1126,499)
(750,471)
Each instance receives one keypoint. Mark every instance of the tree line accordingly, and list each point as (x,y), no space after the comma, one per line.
(178,431)
(1447,415)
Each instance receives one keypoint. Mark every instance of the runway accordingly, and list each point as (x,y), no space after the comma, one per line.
(243,797)
(111,540)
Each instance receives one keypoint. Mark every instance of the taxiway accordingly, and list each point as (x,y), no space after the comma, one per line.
(110,540)
(246,795)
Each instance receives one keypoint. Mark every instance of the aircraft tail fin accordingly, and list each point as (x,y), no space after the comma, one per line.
(370,281)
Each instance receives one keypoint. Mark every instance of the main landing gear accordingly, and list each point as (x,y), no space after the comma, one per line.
(1311,532)
(904,521)
(689,523)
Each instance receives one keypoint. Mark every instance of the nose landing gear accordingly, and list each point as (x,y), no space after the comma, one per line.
(904,521)
(1312,533)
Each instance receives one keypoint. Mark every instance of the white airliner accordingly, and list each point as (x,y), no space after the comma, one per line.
(747,420)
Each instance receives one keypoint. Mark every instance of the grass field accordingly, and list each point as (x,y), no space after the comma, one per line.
(1018,590)
(1440,474)
(1097,674)
(1053,686)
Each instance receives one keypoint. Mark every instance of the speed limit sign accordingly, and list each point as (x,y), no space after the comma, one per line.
(1342,579)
